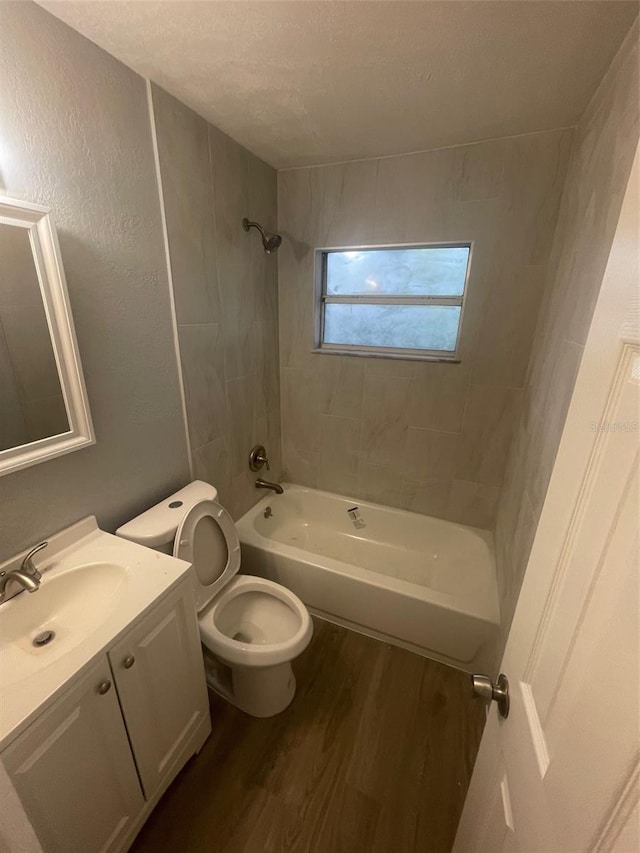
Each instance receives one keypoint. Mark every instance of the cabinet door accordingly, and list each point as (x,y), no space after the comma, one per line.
(74,772)
(159,674)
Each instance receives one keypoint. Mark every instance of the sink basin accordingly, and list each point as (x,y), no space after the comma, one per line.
(72,604)
(94,587)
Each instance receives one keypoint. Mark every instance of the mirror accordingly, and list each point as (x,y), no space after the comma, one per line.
(44,410)
(32,400)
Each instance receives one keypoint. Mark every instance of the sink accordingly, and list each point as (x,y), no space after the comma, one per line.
(94,586)
(67,608)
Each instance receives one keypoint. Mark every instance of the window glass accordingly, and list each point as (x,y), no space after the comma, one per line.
(429,271)
(430,327)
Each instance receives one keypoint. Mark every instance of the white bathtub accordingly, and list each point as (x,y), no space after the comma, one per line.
(414,580)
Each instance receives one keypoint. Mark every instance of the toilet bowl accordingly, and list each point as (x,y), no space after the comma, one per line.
(250,628)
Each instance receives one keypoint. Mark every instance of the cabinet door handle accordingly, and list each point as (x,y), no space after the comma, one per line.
(104,687)
(128,662)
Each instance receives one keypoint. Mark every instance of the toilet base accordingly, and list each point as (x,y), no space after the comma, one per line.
(258,691)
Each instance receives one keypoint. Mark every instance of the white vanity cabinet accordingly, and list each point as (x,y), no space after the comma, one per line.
(90,768)
(159,676)
(74,772)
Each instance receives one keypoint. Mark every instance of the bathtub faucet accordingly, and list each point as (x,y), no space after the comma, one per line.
(265,484)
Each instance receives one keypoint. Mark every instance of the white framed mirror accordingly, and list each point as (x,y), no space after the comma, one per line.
(44,410)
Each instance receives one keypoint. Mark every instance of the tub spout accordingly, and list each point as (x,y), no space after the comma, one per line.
(265,484)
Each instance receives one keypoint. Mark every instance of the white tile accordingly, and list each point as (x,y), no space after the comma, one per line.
(212,463)
(341,386)
(505,341)
(299,464)
(489,421)
(379,484)
(384,419)
(182,134)
(301,409)
(473,503)
(430,497)
(243,420)
(338,464)
(202,370)
(189,216)
(438,396)
(430,455)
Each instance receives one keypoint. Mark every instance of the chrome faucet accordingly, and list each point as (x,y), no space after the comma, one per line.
(27,575)
(265,484)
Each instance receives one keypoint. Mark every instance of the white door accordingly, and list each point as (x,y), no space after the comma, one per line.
(74,772)
(561,773)
(159,674)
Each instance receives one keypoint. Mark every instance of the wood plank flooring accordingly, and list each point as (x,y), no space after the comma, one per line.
(373,756)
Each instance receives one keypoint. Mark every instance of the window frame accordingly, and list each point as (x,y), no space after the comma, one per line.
(321,299)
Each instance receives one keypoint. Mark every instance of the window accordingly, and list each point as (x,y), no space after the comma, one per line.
(404,301)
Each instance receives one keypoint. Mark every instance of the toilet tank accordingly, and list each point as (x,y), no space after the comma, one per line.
(156,528)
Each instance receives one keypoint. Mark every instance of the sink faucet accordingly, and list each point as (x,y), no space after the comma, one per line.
(27,575)
(265,484)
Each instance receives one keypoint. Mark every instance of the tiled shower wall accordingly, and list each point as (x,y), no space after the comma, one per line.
(605,142)
(428,437)
(225,291)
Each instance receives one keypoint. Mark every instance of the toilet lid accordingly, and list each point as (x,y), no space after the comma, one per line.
(207,538)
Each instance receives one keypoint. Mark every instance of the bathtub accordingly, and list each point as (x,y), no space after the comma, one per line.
(416,581)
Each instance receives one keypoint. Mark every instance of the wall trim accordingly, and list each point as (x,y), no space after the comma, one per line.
(172,302)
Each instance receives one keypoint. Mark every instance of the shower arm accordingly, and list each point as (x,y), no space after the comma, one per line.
(247,224)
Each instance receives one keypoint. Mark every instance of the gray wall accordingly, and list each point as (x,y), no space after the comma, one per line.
(226,298)
(605,143)
(76,137)
(428,437)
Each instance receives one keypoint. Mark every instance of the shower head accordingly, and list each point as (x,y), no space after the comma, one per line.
(270,242)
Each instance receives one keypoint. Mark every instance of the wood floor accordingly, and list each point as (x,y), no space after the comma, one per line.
(373,756)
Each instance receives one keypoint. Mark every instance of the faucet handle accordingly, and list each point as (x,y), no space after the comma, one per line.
(27,564)
(258,458)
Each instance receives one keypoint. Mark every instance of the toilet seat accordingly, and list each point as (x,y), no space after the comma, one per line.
(204,533)
(261,653)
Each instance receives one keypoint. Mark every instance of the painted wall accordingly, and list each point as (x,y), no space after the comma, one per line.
(226,299)
(76,137)
(605,142)
(428,437)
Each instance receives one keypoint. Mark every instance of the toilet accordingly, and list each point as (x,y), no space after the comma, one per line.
(251,628)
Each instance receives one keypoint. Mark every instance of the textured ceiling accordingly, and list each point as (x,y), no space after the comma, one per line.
(301,83)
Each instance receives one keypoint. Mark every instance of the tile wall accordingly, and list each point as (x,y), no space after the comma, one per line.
(429,437)
(605,143)
(226,300)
